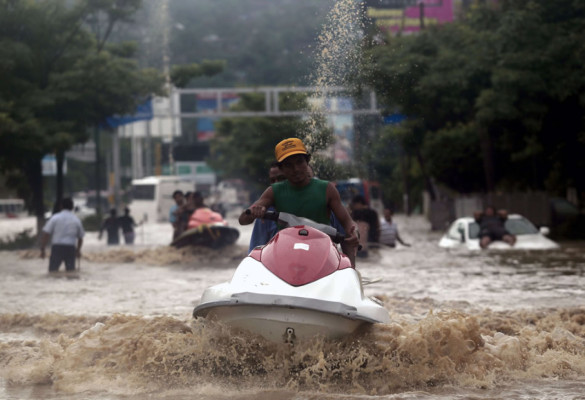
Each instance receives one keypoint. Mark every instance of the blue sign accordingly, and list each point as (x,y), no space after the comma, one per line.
(143,113)
(49,165)
(394,119)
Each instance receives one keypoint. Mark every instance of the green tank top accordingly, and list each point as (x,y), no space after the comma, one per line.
(309,201)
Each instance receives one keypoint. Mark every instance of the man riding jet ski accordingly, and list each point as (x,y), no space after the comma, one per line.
(297,286)
(301,194)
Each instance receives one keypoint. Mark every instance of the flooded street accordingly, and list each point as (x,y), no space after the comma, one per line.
(449,106)
(482,325)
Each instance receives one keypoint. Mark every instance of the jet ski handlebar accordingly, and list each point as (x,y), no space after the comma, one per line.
(292,220)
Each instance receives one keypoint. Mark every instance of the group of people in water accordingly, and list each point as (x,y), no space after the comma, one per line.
(492,227)
(113,224)
(190,211)
(293,189)
(379,231)
(65,232)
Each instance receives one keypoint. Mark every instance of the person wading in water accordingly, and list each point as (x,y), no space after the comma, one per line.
(66,234)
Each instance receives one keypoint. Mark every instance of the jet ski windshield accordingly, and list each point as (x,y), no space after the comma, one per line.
(292,220)
(301,254)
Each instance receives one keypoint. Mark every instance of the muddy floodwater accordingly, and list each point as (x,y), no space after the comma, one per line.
(480,325)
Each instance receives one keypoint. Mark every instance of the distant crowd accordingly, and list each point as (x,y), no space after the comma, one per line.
(293,189)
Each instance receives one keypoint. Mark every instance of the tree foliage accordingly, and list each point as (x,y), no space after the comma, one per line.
(59,79)
(181,75)
(495,100)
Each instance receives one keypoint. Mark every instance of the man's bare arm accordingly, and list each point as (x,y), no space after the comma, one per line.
(402,242)
(44,240)
(258,208)
(79,244)
(334,203)
(350,244)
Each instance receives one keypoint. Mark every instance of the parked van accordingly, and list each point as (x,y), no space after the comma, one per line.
(152,197)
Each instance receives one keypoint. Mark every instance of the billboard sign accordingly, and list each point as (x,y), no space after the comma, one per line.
(209,103)
(404,16)
(396,4)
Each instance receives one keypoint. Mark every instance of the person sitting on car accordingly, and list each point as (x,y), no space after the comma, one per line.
(492,227)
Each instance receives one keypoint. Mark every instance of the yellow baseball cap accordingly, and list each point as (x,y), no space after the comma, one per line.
(289,147)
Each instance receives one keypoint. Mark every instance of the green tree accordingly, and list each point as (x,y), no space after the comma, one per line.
(61,77)
(492,101)
(56,83)
(533,109)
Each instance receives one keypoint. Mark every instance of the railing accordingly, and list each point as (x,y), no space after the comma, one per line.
(272,102)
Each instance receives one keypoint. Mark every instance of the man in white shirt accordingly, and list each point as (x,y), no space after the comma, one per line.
(389,231)
(66,233)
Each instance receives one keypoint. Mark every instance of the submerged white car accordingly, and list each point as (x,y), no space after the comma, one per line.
(463,233)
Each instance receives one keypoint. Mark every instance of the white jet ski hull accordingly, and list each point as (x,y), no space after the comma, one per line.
(285,324)
(257,300)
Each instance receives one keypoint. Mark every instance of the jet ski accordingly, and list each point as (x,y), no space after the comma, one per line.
(207,228)
(295,287)
(212,235)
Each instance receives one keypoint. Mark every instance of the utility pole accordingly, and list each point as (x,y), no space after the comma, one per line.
(116,167)
(148,148)
(98,183)
(167,74)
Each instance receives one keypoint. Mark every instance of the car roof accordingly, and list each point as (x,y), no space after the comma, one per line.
(471,219)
